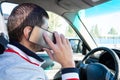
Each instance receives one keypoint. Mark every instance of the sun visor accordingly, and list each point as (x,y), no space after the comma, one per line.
(78,4)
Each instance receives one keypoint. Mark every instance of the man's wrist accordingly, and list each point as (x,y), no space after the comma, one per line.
(69,65)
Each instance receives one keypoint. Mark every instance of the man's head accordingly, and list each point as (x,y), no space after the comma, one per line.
(26,14)
(22,20)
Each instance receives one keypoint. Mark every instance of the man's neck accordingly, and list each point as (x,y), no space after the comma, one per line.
(27,45)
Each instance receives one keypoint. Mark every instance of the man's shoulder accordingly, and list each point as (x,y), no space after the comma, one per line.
(9,58)
(14,64)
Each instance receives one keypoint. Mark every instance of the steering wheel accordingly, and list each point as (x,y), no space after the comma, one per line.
(98,71)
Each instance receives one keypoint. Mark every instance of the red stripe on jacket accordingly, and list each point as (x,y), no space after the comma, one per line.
(73,79)
(13,51)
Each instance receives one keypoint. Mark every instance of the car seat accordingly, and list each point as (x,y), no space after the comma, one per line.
(3,34)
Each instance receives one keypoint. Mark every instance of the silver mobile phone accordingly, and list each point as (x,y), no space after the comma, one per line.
(37,37)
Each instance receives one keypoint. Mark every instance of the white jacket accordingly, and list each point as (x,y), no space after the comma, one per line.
(19,66)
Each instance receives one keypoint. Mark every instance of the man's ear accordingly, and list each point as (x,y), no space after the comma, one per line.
(27,30)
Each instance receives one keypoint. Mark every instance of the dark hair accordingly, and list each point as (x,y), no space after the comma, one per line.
(26,14)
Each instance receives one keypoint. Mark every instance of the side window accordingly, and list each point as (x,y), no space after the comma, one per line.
(59,24)
(7,9)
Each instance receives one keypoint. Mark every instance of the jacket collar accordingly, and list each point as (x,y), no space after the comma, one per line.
(26,51)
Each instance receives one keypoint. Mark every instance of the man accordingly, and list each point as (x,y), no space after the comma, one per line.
(19,61)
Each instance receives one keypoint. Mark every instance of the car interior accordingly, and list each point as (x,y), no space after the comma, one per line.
(94,63)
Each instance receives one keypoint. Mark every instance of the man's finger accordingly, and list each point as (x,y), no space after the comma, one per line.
(49,42)
(63,39)
(58,39)
(49,53)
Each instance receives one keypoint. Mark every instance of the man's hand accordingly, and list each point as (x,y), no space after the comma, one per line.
(61,51)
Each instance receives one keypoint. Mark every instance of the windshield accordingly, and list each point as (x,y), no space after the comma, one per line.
(103,24)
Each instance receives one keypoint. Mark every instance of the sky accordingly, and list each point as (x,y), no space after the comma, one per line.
(108,7)
(106,15)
